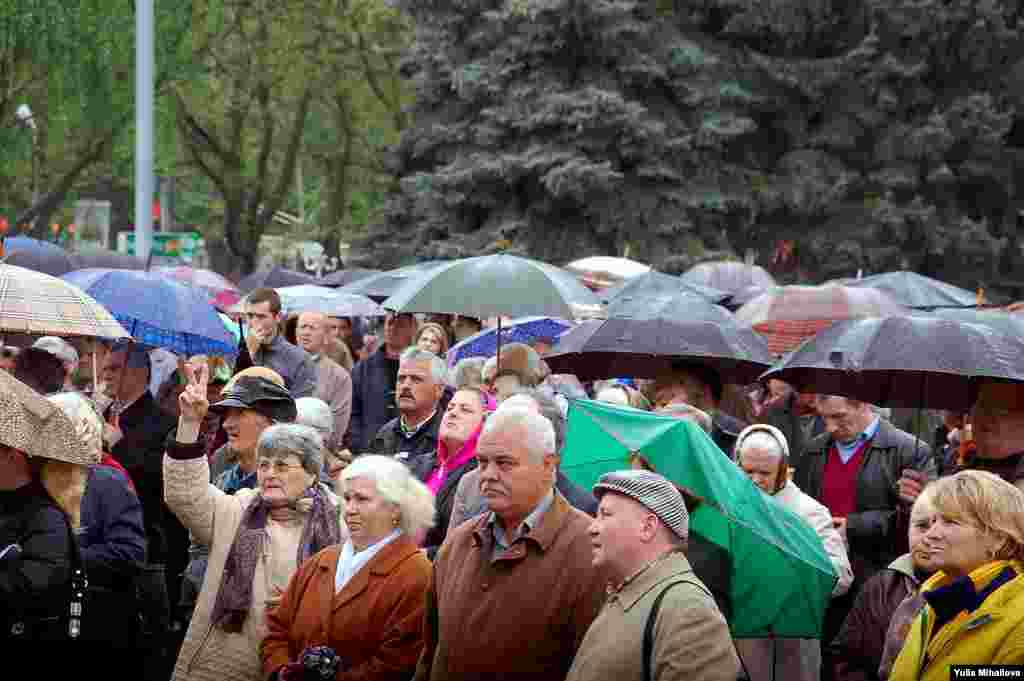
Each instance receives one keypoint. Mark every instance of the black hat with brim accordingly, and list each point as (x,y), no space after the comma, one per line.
(261,395)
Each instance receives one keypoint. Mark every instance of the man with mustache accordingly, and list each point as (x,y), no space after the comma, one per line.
(514,590)
(412,436)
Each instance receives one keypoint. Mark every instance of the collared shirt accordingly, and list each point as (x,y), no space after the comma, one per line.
(848,449)
(411,431)
(350,562)
(501,541)
(234,479)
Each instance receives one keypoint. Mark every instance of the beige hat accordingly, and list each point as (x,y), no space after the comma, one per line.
(38,427)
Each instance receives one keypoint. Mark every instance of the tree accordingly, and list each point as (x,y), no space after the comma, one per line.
(867,134)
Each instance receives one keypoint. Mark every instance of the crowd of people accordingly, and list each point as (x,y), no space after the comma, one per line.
(330,505)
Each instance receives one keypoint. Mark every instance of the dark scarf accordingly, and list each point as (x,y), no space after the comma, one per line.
(234,598)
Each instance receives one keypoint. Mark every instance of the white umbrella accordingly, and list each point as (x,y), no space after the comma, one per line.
(311,298)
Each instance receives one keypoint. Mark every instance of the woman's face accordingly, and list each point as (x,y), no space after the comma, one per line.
(957,547)
(369,517)
(282,479)
(921,554)
(463,416)
(430,341)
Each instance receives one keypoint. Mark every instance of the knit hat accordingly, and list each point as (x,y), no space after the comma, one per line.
(654,492)
(260,395)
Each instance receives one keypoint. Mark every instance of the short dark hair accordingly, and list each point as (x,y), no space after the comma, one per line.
(705,375)
(265,295)
(40,370)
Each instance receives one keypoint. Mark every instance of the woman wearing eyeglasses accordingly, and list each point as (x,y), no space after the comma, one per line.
(257,537)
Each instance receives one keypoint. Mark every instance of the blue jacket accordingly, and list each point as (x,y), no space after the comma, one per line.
(112,535)
(373,399)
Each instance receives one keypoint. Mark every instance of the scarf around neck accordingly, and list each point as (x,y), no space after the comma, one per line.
(320,529)
(448,462)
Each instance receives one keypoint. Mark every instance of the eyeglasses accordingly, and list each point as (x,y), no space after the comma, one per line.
(280,467)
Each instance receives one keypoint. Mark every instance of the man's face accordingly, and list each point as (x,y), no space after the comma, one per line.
(998,420)
(511,482)
(243,428)
(311,332)
(762,467)
(121,382)
(399,331)
(415,392)
(261,320)
(844,420)
(614,532)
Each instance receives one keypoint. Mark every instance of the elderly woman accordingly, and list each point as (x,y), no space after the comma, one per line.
(623,395)
(876,627)
(432,338)
(762,452)
(256,537)
(315,413)
(355,611)
(974,610)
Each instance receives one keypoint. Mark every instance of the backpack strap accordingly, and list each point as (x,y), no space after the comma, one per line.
(652,618)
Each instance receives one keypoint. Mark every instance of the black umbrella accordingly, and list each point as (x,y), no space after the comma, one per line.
(345,277)
(904,361)
(275,277)
(654,282)
(642,338)
(381,285)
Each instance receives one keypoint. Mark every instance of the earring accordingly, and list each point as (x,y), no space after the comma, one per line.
(395,522)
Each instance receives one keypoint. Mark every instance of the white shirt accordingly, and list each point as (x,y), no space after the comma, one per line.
(350,562)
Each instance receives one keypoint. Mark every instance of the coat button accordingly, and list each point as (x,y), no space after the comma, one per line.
(484,586)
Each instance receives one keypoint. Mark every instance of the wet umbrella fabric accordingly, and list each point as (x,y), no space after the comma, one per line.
(642,338)
(345,277)
(382,285)
(523,330)
(36,255)
(654,282)
(274,277)
(904,361)
(728,276)
(309,298)
(158,312)
(782,578)
(917,291)
(209,281)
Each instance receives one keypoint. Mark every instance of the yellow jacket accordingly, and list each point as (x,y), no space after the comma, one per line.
(992,634)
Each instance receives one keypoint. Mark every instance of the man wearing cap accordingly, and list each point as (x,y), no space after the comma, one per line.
(62,350)
(268,348)
(658,614)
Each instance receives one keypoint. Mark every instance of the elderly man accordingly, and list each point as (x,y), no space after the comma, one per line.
(701,387)
(268,348)
(418,390)
(660,621)
(514,591)
(333,385)
(373,382)
(65,352)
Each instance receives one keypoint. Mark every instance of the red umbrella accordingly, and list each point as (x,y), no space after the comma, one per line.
(788,315)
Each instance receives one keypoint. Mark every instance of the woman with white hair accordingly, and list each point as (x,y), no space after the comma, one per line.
(763,454)
(315,413)
(355,611)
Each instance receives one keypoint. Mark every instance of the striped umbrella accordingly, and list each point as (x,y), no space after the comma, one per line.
(788,315)
(38,304)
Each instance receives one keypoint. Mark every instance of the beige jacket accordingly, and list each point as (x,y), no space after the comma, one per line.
(209,653)
(334,386)
(691,638)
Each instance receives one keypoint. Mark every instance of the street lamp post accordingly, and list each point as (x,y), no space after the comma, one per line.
(27,119)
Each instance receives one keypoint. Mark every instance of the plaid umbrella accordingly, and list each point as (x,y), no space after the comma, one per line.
(788,315)
(38,304)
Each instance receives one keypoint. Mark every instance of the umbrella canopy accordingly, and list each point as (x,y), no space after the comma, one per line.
(745,295)
(40,256)
(782,578)
(642,338)
(38,304)
(158,312)
(788,315)
(494,286)
(345,277)
(105,259)
(382,285)
(523,330)
(728,276)
(904,361)
(917,291)
(600,271)
(207,280)
(654,282)
(275,277)
(309,298)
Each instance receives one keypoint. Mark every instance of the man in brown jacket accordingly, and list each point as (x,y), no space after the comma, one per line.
(514,590)
(333,383)
(659,615)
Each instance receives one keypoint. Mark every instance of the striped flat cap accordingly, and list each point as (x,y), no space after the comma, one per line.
(654,492)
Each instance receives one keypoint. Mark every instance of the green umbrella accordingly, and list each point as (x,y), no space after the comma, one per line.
(782,578)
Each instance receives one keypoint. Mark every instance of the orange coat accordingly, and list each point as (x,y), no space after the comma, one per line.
(375,623)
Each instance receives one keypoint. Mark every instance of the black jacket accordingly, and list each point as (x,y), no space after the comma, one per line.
(444,500)
(35,569)
(112,535)
(373,399)
(414,451)
(724,431)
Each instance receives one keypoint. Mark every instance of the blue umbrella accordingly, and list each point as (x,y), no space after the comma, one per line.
(36,255)
(522,330)
(158,312)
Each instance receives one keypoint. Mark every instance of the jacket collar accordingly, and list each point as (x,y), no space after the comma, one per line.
(383,564)
(885,438)
(904,565)
(542,536)
(664,569)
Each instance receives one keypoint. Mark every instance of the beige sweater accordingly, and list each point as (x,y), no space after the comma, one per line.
(209,653)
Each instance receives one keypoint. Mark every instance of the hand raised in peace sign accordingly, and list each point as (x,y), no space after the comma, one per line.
(193,401)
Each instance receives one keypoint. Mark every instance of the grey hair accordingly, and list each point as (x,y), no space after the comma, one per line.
(538,433)
(438,369)
(549,409)
(398,486)
(467,372)
(763,441)
(314,412)
(284,439)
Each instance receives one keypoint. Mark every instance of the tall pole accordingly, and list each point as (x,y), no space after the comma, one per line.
(143,128)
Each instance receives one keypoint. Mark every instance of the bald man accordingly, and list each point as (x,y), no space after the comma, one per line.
(334,384)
